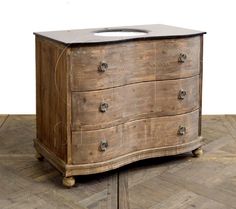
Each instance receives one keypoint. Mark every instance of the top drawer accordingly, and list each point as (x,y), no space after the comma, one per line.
(105,66)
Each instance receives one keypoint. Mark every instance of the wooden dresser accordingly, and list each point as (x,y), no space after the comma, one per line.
(105,101)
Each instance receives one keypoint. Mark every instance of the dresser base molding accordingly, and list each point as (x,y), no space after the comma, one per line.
(91,168)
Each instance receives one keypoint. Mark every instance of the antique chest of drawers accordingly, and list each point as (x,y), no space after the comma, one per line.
(106,100)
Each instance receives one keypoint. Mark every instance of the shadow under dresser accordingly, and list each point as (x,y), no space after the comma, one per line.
(105,100)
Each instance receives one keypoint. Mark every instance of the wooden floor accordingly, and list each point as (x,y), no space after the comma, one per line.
(181,182)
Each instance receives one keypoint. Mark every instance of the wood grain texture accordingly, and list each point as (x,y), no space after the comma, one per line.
(99,167)
(200,86)
(133,62)
(53,98)
(168,183)
(133,136)
(140,93)
(132,102)
(167,54)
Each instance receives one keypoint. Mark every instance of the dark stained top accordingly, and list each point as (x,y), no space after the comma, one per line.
(87,36)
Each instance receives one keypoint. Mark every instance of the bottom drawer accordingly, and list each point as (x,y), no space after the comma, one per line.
(105,144)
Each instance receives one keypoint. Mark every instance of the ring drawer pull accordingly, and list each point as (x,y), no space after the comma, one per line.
(182,94)
(103,145)
(103,66)
(182,130)
(182,57)
(103,107)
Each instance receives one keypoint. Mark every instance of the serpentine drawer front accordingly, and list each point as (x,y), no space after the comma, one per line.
(106,101)
(99,109)
(100,67)
(131,137)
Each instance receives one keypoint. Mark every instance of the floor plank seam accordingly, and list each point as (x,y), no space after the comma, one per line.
(5,119)
(118,191)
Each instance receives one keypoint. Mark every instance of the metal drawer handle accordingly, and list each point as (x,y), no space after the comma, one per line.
(103,66)
(182,57)
(103,107)
(182,130)
(103,145)
(182,94)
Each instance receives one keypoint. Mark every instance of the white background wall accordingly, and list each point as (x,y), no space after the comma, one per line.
(19,19)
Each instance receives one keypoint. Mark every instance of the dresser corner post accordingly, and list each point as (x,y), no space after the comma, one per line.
(68,55)
(38,84)
(201,85)
(198,152)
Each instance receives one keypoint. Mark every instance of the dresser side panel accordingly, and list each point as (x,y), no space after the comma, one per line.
(52,99)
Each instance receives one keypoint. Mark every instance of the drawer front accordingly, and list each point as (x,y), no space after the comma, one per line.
(105,144)
(112,65)
(104,108)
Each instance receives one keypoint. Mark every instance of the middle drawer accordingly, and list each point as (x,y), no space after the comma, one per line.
(105,108)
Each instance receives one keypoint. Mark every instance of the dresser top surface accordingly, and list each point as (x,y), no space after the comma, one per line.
(112,34)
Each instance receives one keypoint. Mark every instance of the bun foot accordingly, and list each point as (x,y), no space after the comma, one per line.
(68,181)
(197,152)
(38,156)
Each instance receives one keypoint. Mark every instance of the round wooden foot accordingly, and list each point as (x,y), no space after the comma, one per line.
(39,156)
(197,152)
(68,181)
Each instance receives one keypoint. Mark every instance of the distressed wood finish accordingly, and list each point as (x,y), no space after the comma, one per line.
(167,54)
(105,103)
(159,132)
(200,87)
(132,102)
(92,168)
(133,62)
(53,97)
